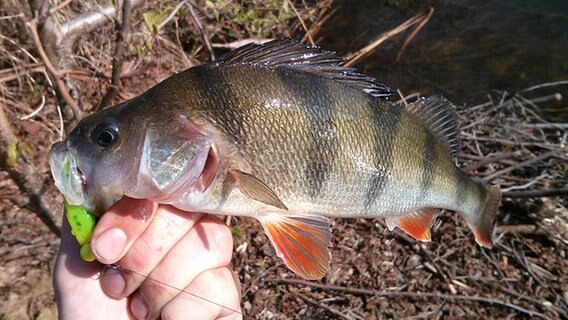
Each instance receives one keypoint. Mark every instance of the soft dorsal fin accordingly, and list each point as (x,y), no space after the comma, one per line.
(292,54)
(441,118)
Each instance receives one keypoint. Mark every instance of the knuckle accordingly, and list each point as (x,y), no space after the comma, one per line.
(219,237)
(137,256)
(228,288)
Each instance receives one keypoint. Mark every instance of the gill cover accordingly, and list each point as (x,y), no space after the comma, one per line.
(172,161)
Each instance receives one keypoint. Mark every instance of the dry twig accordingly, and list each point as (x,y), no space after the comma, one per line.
(202,31)
(415,295)
(520,165)
(323,15)
(351,59)
(520,229)
(26,176)
(306,30)
(61,87)
(536,193)
(118,56)
(414,32)
(327,308)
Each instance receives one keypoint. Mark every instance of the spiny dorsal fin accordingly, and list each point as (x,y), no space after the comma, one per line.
(292,54)
(441,118)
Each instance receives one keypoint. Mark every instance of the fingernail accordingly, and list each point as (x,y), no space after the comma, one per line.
(113,282)
(139,307)
(110,244)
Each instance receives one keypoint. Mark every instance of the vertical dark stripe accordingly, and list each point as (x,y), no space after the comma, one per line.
(313,96)
(462,184)
(429,161)
(222,102)
(385,119)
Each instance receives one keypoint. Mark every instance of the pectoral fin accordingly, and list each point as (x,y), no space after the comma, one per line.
(255,189)
(301,241)
(416,224)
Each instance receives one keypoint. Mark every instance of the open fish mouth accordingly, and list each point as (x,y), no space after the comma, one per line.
(69,179)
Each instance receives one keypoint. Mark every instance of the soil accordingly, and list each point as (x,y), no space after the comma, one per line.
(523,276)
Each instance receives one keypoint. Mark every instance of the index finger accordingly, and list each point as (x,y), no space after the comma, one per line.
(119,227)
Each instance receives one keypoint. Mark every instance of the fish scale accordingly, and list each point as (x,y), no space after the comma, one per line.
(283,133)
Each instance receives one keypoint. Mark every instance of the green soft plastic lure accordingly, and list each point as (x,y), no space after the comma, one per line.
(82,224)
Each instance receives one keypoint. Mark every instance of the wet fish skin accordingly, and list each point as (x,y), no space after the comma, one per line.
(282,133)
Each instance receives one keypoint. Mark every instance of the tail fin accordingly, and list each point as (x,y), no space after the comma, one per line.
(482,224)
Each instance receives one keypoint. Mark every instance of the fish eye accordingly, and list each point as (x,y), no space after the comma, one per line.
(105,134)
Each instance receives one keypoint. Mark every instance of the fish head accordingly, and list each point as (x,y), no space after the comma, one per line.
(138,149)
(96,165)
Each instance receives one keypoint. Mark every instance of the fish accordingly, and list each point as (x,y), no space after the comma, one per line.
(285,133)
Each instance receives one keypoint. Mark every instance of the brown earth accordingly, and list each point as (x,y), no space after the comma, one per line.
(375,273)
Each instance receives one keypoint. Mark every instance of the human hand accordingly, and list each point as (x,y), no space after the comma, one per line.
(175,250)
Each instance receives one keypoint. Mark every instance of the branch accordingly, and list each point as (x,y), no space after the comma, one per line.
(201,30)
(414,33)
(26,177)
(329,309)
(520,229)
(520,165)
(416,295)
(57,41)
(118,55)
(487,160)
(239,43)
(61,87)
(536,193)
(353,58)
(306,30)
(59,38)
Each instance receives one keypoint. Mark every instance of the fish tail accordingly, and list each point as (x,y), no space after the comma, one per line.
(481,223)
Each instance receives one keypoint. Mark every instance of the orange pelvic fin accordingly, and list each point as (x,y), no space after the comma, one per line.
(301,241)
(417,223)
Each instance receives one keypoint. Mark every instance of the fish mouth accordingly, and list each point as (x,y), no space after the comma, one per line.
(69,178)
(210,170)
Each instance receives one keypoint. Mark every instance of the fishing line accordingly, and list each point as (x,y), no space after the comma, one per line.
(118,267)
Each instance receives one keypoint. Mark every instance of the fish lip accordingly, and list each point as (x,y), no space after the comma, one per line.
(68,177)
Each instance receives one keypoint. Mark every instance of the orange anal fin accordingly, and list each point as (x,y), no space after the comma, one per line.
(416,224)
(301,241)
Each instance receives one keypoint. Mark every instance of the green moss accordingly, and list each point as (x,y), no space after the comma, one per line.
(236,231)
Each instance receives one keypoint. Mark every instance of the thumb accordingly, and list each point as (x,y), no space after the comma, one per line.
(76,283)
(69,263)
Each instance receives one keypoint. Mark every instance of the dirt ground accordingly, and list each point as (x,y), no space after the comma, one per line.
(376,274)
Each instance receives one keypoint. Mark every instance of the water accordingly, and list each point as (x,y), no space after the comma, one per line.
(467,49)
